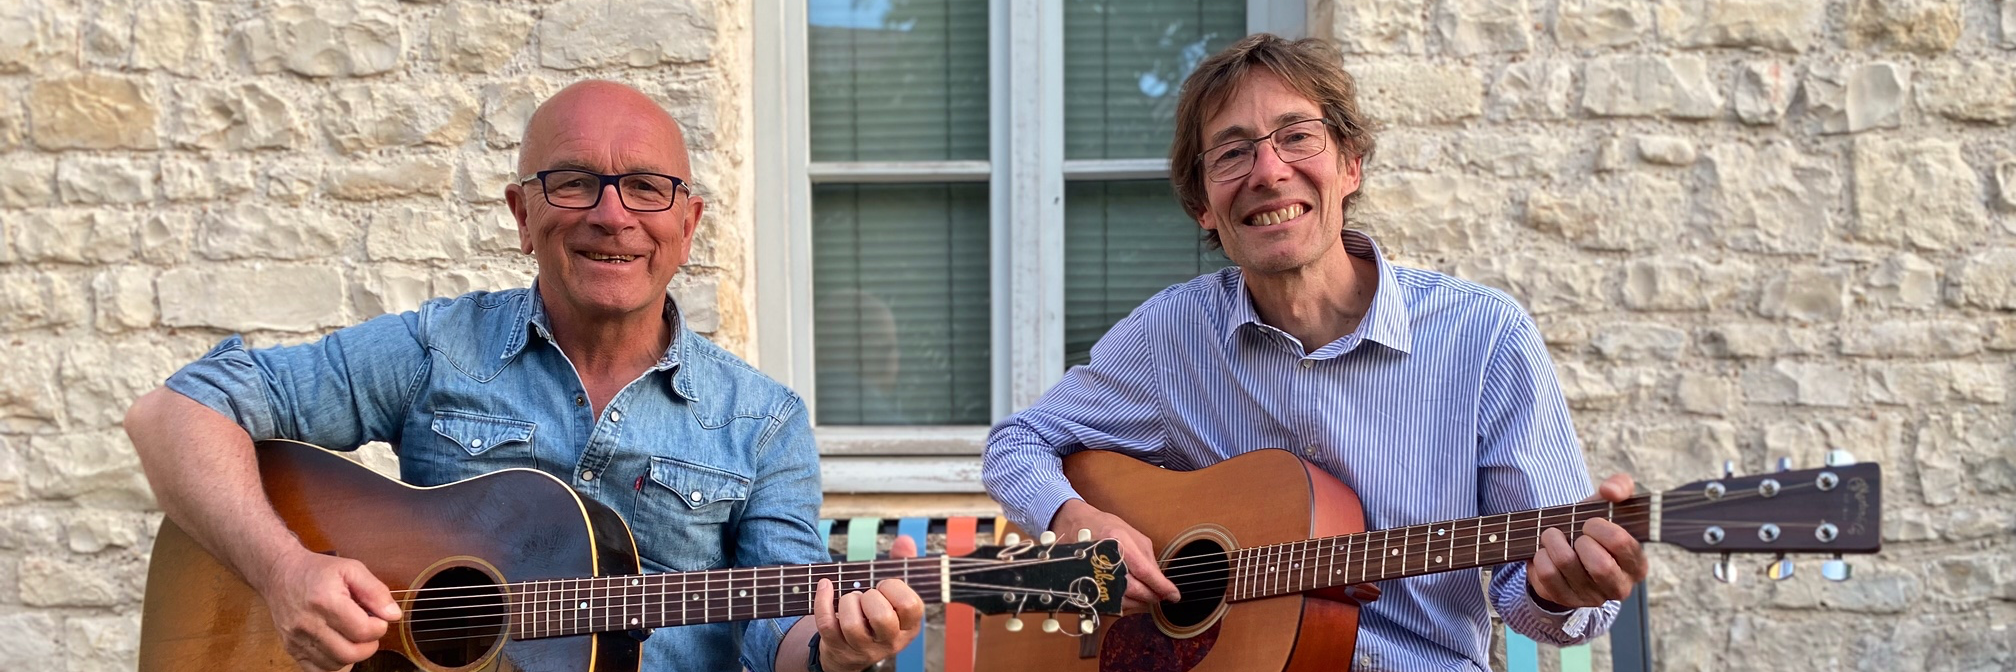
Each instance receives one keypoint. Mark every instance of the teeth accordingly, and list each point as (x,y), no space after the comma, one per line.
(609,257)
(1276,217)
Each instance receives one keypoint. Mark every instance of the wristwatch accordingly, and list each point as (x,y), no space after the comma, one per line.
(812,658)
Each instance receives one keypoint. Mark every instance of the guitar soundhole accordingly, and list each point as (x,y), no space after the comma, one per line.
(1200,572)
(457,617)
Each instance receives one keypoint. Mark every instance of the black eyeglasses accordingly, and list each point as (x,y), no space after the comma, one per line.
(1293,142)
(582,190)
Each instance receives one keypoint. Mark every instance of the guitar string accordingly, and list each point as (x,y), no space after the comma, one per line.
(922,567)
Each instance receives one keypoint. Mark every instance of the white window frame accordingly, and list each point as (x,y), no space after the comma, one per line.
(1026,172)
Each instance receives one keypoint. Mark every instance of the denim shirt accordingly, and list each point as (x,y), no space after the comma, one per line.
(710,462)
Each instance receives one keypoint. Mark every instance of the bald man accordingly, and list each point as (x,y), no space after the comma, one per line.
(590,375)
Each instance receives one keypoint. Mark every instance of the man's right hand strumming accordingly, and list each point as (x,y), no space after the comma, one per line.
(330,611)
(1146,585)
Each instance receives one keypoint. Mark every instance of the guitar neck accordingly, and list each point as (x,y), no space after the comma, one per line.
(1401,552)
(561,607)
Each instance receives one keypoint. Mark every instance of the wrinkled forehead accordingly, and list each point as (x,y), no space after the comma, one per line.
(1261,102)
(605,129)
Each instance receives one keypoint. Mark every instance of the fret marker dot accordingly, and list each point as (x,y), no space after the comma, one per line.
(633,621)
(1396,551)
(1298,565)
(742,594)
(1441,532)
(584,605)
(1340,571)
(797,589)
(694,597)
(635,582)
(1493,537)
(1438,558)
(1270,568)
(857,585)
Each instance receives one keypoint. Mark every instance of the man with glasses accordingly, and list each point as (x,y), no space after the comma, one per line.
(1433,398)
(590,375)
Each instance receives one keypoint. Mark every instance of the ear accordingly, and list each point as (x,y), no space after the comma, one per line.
(1351,175)
(694,207)
(514,197)
(1207,220)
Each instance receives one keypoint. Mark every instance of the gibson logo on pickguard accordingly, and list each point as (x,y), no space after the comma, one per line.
(1102,571)
(1860,488)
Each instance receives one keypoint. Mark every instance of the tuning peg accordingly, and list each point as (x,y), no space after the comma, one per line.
(1084,534)
(1014,625)
(1784,464)
(1837,457)
(1836,569)
(1050,625)
(1779,569)
(1012,539)
(1047,538)
(1728,468)
(1725,571)
(1086,626)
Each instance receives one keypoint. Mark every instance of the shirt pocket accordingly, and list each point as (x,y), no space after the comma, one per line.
(683,514)
(483,443)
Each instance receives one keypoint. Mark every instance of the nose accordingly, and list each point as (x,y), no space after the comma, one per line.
(1268,168)
(609,213)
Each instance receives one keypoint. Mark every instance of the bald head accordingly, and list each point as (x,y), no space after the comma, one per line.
(599,121)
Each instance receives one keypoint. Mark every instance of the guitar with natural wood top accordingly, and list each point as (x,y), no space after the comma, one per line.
(513,570)
(1267,582)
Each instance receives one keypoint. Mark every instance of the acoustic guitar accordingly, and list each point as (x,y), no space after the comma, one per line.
(513,570)
(1268,577)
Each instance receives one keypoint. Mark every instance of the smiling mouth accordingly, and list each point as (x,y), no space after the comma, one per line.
(610,258)
(1273,217)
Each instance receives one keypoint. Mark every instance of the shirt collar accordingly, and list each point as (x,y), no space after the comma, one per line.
(1386,322)
(538,323)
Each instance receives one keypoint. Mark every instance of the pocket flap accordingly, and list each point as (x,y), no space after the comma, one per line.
(479,434)
(698,485)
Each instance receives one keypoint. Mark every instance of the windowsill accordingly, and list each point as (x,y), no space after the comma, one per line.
(901,440)
(892,460)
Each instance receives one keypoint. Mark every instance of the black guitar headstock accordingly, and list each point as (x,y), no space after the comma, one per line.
(1085,578)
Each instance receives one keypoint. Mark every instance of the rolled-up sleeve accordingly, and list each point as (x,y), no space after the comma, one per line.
(346,389)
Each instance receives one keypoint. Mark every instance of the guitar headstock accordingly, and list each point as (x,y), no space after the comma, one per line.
(1835,510)
(1022,576)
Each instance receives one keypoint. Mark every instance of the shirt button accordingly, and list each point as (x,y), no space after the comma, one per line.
(587,475)
(696,495)
(475,443)
(1308,363)
(580,400)
(615,416)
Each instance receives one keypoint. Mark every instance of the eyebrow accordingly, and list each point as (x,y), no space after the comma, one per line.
(577,165)
(1242,133)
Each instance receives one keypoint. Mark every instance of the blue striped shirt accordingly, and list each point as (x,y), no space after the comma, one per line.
(1442,404)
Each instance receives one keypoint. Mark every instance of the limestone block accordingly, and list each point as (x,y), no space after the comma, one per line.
(392,179)
(406,233)
(1667,150)
(1586,388)
(91,530)
(173,36)
(1927,384)
(1703,394)
(1588,24)
(1879,587)
(1986,279)
(496,231)
(95,469)
(1370,27)
(486,277)
(1919,26)
(92,111)
(293,182)
(1510,155)
(2005,183)
(243,117)
(237,298)
(1628,211)
(27,636)
(91,181)
(102,643)
(391,289)
(1976,91)
(34,34)
(11,488)
(77,236)
(1429,214)
(1858,98)
(1777,25)
(2001,334)
(1903,281)
(1763,91)
(105,39)
(2009,24)
(1679,87)
(28,182)
(101,377)
(1801,383)
(1414,94)
(1753,341)
(574,34)
(1923,338)
(32,300)
(250,230)
(474,37)
(699,301)
(1682,283)
(49,581)
(1878,437)
(1632,341)
(29,399)
(1534,90)
(125,298)
(369,117)
(1918,193)
(348,38)
(1965,448)
(13,121)
(1805,293)
(507,107)
(165,237)
(1544,284)
(482,179)
(1773,199)
(1470,27)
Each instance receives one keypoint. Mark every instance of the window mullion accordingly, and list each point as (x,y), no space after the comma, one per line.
(1027,120)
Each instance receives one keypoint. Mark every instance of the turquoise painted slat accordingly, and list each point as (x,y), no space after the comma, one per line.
(1575,659)
(861,538)
(1521,654)
(911,658)
(826,532)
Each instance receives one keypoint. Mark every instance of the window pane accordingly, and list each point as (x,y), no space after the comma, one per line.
(898,80)
(1124,62)
(1123,242)
(901,304)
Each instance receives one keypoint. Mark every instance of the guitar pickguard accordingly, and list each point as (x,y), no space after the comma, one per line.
(1134,644)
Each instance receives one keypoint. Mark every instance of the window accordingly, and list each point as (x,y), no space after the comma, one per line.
(958,197)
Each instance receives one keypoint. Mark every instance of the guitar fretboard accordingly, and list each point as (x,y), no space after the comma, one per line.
(1313,564)
(602,604)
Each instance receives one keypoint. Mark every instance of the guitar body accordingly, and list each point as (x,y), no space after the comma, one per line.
(1257,498)
(512,525)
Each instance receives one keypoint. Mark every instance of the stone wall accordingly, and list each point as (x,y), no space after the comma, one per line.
(1748,229)
(172,171)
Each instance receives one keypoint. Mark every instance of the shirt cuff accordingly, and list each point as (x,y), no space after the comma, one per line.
(1571,622)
